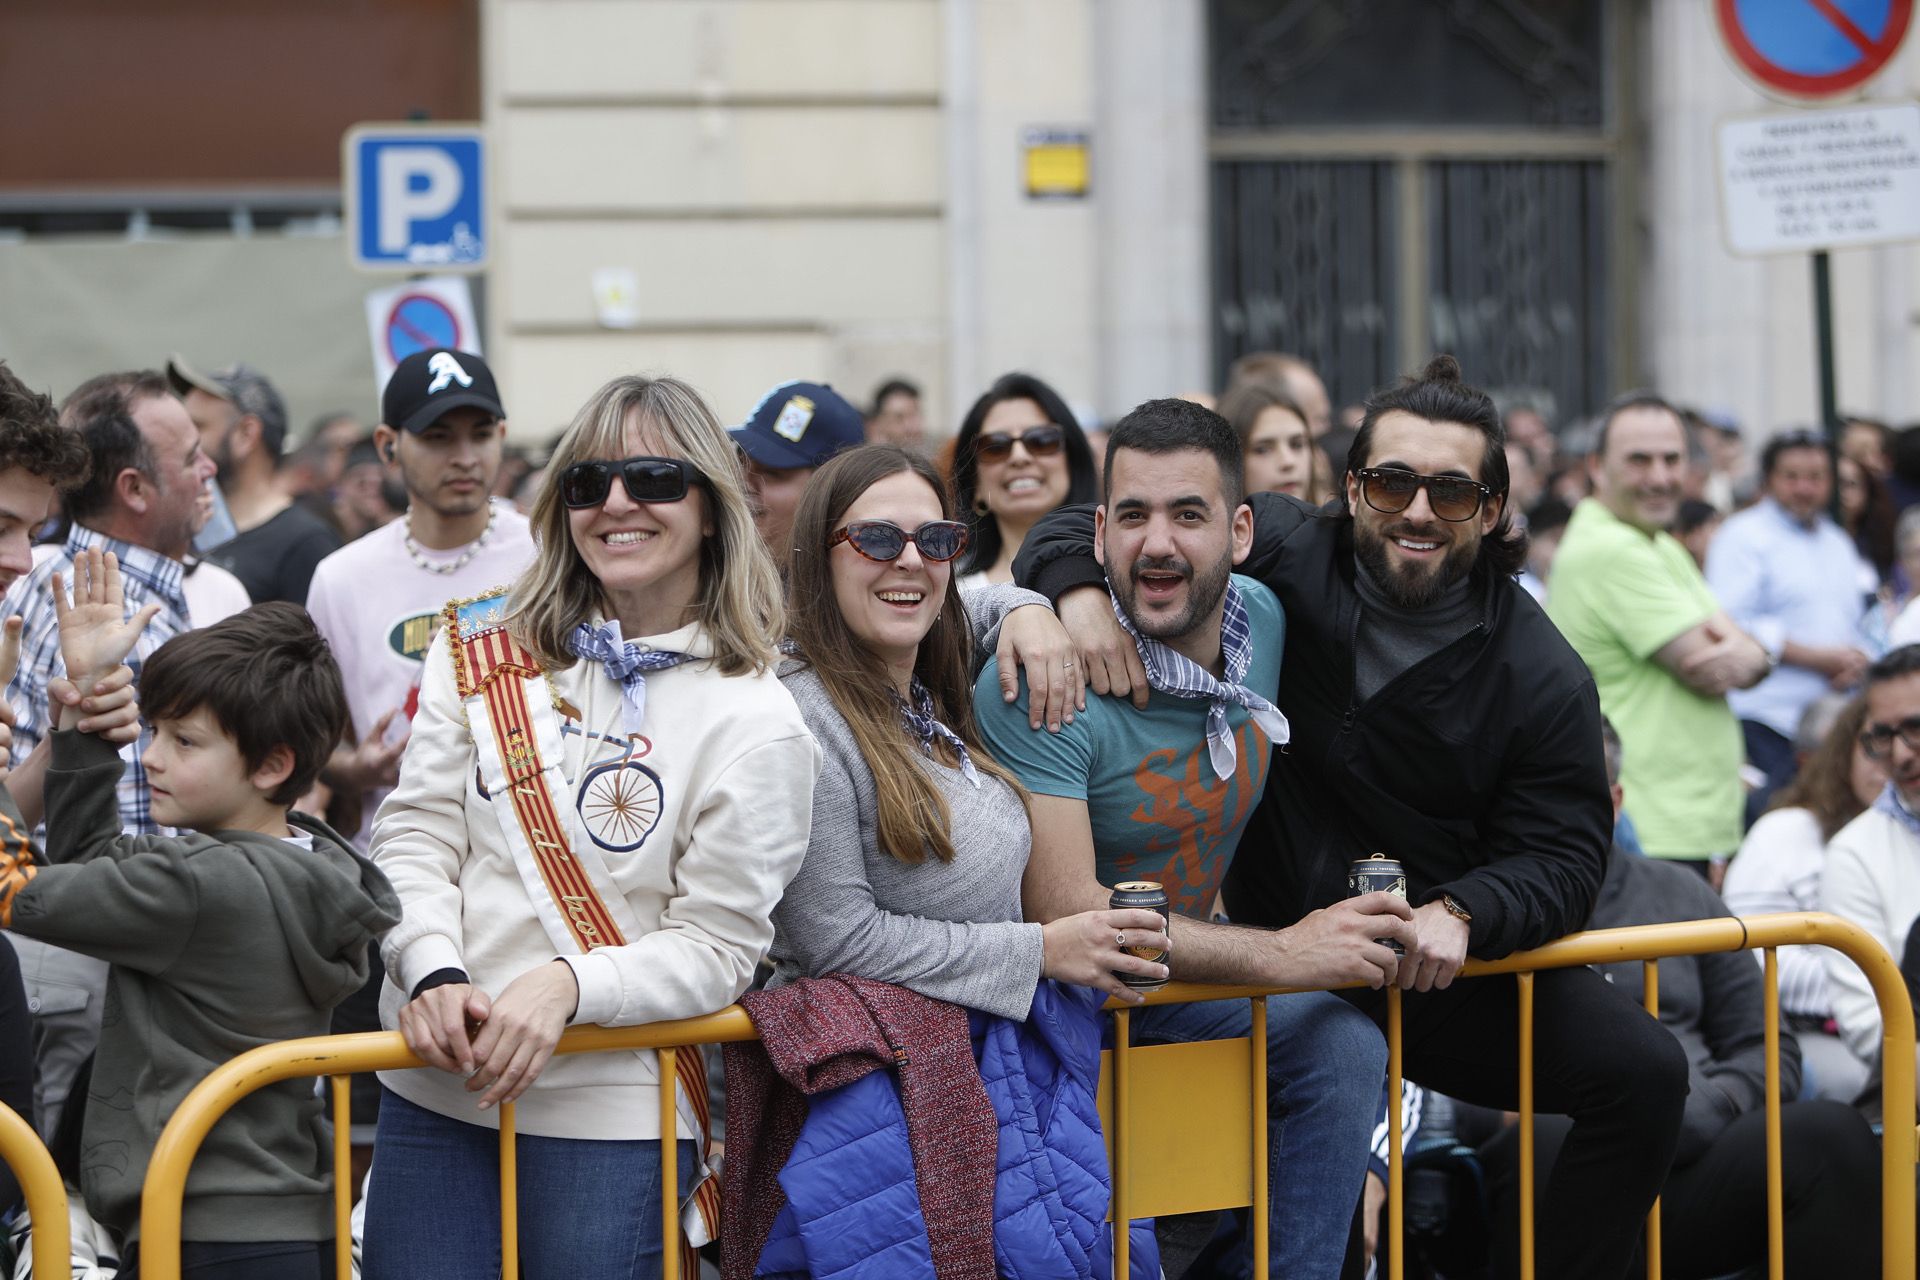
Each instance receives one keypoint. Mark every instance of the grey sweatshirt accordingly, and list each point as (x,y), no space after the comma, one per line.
(218,944)
(948,930)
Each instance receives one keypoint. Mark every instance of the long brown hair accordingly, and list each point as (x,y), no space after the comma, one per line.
(1824,786)
(913,815)
(739,603)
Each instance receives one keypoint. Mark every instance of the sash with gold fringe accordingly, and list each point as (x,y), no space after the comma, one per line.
(515,723)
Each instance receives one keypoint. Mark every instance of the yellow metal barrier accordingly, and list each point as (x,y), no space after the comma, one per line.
(1135,1128)
(46,1194)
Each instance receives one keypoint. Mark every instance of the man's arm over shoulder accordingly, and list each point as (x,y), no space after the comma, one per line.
(1057,555)
(1276,517)
(1548,833)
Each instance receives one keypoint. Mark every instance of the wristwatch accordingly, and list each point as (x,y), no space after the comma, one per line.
(1455,909)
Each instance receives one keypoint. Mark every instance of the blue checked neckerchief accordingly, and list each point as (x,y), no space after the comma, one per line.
(1890,804)
(1174,673)
(626,662)
(925,728)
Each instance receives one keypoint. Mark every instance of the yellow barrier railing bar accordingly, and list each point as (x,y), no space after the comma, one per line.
(1525,1001)
(339,1088)
(381,1051)
(509,1193)
(1122,1107)
(1396,1175)
(1261,1226)
(670,1164)
(1650,1000)
(1776,1198)
(45,1192)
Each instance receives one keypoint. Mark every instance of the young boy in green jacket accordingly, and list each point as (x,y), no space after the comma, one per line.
(246,928)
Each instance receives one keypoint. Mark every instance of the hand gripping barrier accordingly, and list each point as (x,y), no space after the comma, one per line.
(46,1195)
(1189,1174)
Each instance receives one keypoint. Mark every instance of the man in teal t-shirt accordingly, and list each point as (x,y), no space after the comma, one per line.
(1157,809)
(1634,606)
(1163,794)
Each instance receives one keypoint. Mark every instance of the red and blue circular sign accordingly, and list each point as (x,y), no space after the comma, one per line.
(1813,48)
(421,322)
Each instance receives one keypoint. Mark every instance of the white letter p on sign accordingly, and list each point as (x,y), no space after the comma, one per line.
(401,204)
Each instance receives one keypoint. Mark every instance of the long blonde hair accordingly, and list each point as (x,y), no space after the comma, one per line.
(913,816)
(739,605)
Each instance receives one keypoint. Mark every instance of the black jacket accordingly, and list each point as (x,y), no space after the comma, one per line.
(1480,768)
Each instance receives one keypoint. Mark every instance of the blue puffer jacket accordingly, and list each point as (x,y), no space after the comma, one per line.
(853,1209)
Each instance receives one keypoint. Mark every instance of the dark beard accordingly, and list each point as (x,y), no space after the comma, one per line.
(1204,591)
(1408,590)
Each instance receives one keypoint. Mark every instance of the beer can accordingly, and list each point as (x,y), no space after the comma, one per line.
(1142,895)
(1378,874)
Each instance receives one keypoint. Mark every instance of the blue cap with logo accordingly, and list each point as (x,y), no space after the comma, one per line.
(799,424)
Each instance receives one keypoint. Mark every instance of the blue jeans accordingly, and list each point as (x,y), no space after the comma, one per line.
(1325,1064)
(587,1207)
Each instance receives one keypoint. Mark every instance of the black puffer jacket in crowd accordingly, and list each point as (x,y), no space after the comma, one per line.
(1480,768)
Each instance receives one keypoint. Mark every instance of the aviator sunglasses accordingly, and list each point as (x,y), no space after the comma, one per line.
(1041,442)
(585,484)
(1452,498)
(883,540)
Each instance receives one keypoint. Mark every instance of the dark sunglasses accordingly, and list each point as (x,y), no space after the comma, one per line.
(1877,740)
(585,484)
(1391,490)
(883,540)
(1041,442)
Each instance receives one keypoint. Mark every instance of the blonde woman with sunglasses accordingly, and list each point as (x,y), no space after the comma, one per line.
(605,792)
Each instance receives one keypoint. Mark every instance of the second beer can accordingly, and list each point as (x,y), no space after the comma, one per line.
(1378,874)
(1143,895)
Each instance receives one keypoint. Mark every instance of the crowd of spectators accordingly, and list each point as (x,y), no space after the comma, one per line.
(1467,626)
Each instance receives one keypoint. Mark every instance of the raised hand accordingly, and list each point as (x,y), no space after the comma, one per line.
(96,634)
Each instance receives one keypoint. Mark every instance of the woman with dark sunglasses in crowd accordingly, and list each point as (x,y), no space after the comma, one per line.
(1020,453)
(605,792)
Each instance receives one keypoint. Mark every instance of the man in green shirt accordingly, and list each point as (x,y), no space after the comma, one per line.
(1663,653)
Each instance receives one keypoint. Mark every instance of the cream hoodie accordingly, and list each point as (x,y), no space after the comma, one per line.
(1872,878)
(711,821)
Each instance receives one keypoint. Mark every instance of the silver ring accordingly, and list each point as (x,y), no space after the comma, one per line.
(1067,662)
(1120,941)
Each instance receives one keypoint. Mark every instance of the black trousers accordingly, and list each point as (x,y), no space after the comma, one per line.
(1713,1212)
(1599,1058)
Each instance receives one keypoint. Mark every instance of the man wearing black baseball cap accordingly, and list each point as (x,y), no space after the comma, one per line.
(795,427)
(243,427)
(377,600)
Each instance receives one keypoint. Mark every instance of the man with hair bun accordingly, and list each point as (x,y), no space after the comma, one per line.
(1438,718)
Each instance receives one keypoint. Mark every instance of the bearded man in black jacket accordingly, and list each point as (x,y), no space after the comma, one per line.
(1440,719)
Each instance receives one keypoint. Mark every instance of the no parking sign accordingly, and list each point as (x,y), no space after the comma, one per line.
(435,311)
(1813,48)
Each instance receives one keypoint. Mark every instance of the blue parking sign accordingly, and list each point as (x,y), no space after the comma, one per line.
(415,197)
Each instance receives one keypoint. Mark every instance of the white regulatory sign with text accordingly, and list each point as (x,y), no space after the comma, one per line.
(1821,179)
